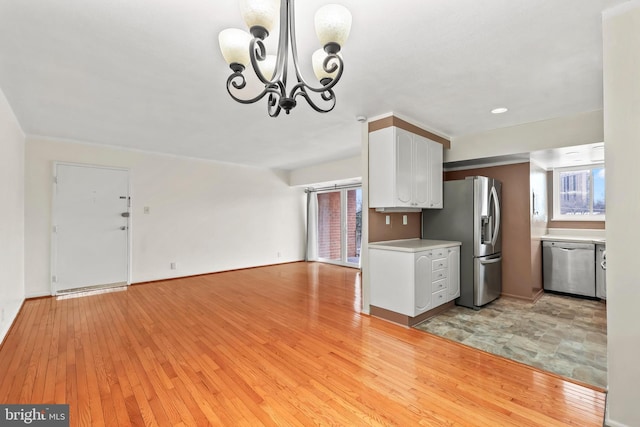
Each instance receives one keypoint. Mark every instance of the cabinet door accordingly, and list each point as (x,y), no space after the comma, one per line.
(404,152)
(453,278)
(422,282)
(435,175)
(421,173)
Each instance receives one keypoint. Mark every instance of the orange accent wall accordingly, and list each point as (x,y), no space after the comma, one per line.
(517,278)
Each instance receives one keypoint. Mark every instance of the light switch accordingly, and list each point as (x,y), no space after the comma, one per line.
(146,209)
(387,219)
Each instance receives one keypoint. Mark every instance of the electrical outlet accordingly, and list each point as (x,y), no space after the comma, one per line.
(404,220)
(278,254)
(387,219)
(173,265)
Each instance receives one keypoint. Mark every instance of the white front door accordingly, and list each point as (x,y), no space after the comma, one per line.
(90,233)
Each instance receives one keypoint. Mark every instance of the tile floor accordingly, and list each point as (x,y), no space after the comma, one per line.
(560,334)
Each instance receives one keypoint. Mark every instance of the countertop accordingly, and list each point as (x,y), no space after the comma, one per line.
(413,245)
(576,239)
(575,235)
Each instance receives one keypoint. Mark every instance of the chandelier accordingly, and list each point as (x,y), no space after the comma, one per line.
(241,49)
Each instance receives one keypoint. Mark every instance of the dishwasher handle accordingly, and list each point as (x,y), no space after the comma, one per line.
(554,244)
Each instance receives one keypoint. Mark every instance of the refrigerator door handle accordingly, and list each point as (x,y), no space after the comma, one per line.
(496,210)
(491,261)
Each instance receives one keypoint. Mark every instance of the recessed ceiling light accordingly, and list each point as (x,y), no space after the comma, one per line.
(572,153)
(499,110)
(597,147)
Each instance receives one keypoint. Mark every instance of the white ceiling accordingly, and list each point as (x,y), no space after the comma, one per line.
(578,155)
(148,74)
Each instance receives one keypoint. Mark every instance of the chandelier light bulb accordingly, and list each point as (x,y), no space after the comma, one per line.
(333,24)
(234,45)
(260,13)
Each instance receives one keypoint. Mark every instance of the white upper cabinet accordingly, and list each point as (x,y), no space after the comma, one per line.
(405,170)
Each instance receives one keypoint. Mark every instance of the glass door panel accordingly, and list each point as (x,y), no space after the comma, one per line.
(340,226)
(329,226)
(354,225)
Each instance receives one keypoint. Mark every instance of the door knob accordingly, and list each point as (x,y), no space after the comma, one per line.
(125,214)
(123,228)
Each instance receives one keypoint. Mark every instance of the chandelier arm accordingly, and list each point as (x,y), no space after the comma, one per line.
(257,52)
(328,95)
(270,88)
(292,37)
(339,66)
(273,105)
(327,60)
(240,83)
(282,58)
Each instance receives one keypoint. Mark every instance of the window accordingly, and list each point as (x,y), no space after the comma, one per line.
(579,193)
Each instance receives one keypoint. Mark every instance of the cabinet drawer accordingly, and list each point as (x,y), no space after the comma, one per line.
(438,264)
(439,285)
(438,275)
(439,298)
(440,253)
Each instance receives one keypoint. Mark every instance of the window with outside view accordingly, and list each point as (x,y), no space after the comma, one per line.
(579,193)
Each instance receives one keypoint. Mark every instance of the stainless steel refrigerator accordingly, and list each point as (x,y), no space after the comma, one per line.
(471,215)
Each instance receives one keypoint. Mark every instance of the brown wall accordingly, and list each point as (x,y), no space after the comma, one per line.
(516,228)
(593,225)
(379,231)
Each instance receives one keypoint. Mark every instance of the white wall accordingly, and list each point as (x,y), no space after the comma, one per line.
(12,289)
(205,216)
(584,128)
(622,151)
(326,173)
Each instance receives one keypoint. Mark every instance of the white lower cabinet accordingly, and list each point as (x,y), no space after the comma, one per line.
(453,281)
(413,282)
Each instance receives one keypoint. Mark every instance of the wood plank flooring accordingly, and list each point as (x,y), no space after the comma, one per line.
(279,345)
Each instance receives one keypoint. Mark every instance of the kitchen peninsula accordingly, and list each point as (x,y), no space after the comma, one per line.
(413,279)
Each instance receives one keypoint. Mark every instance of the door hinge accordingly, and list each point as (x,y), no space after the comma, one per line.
(55,179)
(54,279)
(55,228)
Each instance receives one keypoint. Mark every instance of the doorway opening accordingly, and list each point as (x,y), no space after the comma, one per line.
(340,226)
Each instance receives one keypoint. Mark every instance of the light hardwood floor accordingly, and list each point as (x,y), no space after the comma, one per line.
(280,345)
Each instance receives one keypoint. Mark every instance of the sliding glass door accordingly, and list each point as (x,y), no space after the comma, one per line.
(340,226)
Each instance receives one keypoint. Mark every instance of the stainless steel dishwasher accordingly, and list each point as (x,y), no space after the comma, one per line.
(569,267)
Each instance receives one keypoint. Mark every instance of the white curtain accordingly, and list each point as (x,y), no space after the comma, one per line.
(312,226)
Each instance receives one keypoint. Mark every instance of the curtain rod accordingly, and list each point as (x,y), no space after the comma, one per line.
(332,187)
